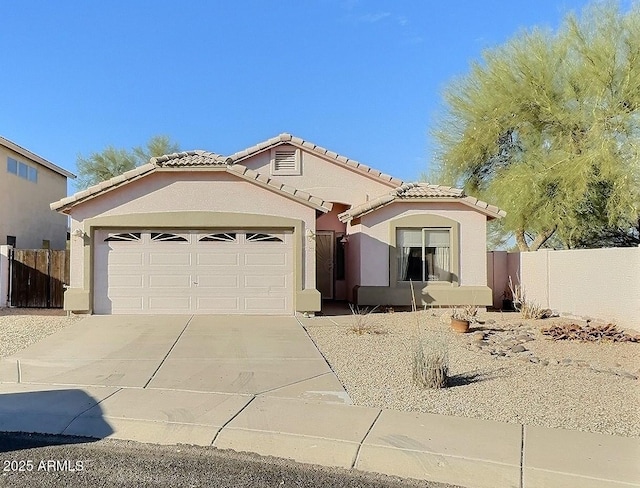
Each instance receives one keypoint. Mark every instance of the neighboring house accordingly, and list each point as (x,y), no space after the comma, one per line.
(271,229)
(28,184)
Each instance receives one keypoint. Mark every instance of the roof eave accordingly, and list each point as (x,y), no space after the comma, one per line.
(34,157)
(491,214)
(319,151)
(65,204)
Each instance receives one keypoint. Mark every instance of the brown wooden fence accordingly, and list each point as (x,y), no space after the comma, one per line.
(38,277)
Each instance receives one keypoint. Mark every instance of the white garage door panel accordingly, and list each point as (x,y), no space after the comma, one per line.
(169,281)
(221,259)
(228,281)
(219,305)
(169,304)
(265,259)
(148,271)
(124,258)
(125,281)
(269,281)
(124,304)
(169,258)
(271,304)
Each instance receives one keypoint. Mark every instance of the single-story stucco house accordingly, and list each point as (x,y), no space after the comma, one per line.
(272,229)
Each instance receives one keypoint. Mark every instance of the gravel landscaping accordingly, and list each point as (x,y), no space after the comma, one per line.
(21,327)
(503,370)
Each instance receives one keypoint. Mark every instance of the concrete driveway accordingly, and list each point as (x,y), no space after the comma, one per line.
(254,355)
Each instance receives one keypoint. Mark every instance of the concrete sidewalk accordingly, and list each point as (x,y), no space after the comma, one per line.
(461,451)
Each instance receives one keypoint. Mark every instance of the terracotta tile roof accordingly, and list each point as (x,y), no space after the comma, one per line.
(421,192)
(191,159)
(286,138)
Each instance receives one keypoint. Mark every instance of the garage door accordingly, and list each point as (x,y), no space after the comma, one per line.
(219,272)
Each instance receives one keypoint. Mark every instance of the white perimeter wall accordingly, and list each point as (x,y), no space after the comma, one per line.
(602,284)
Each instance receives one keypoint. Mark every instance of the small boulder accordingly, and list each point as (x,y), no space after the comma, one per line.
(518,348)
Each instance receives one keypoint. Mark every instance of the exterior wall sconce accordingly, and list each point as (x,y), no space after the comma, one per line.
(344,240)
(310,234)
(81,234)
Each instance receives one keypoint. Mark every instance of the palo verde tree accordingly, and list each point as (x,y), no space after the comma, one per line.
(112,161)
(547,127)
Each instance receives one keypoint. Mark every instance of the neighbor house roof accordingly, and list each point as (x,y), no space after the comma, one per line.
(191,160)
(34,157)
(331,156)
(421,192)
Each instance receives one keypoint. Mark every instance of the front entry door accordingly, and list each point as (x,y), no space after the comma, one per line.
(324,262)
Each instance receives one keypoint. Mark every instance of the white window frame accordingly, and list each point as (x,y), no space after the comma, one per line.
(22,170)
(296,171)
(423,232)
(12,165)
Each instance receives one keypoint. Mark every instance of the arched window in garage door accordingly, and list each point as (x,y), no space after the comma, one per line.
(167,237)
(124,236)
(259,237)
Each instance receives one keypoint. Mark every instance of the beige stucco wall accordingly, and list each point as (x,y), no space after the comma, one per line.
(331,181)
(24,205)
(375,236)
(191,192)
(600,283)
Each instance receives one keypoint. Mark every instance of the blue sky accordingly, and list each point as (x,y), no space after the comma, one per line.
(363,78)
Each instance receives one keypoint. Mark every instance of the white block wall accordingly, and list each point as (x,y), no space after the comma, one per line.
(601,284)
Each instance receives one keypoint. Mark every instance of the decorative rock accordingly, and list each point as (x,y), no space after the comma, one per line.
(518,348)
(544,362)
(534,359)
(624,374)
(524,338)
(566,362)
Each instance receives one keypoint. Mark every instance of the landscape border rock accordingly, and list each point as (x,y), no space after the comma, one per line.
(588,333)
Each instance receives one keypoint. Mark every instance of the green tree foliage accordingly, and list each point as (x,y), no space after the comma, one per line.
(112,161)
(547,127)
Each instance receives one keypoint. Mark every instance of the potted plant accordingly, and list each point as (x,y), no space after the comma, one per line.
(462,318)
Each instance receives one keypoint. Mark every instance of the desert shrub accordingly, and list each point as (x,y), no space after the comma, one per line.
(431,363)
(528,308)
(363,323)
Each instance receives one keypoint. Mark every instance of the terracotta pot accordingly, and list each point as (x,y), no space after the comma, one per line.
(459,325)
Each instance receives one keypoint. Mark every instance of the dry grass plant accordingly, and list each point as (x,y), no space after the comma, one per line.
(468,312)
(430,355)
(362,323)
(528,309)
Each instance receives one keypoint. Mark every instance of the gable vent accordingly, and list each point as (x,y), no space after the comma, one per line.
(285,160)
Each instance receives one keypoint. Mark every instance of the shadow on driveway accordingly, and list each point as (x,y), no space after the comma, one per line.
(45,412)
